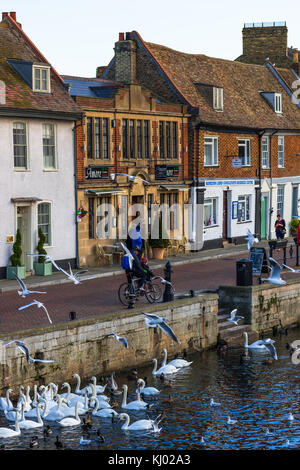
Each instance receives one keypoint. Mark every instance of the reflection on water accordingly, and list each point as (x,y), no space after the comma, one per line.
(257,394)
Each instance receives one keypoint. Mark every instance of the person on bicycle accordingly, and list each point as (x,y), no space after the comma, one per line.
(146,267)
(137,269)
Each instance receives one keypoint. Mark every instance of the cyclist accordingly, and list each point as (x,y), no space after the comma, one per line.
(137,269)
(146,267)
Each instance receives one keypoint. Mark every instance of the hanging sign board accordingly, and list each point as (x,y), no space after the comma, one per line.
(236,163)
(259,261)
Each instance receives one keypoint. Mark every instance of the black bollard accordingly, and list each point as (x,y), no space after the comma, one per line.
(72,315)
(168,293)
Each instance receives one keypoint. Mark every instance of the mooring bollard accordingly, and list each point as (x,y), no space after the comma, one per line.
(72,315)
(168,293)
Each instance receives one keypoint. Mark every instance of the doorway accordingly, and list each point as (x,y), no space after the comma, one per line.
(24,225)
(225,215)
(263,217)
(295,201)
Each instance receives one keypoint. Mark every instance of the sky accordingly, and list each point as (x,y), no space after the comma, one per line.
(76,37)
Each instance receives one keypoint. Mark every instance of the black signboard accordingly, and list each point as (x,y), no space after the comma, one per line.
(96,172)
(259,261)
(163,172)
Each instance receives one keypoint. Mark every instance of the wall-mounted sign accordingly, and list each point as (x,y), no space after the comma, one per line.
(9,239)
(234,211)
(96,172)
(228,182)
(236,163)
(163,172)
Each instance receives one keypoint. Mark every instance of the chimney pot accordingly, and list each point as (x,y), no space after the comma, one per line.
(121,36)
(4,14)
(13,15)
(128,36)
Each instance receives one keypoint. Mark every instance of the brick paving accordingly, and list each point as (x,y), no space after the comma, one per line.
(99,296)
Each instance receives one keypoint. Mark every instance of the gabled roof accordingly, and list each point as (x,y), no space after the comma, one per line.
(17,54)
(91,87)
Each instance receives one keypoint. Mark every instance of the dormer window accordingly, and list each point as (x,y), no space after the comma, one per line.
(278,103)
(41,79)
(218,98)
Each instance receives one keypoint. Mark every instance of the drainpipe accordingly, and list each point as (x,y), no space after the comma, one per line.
(75,188)
(260,134)
(271,181)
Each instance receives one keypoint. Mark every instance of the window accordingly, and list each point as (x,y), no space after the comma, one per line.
(91,218)
(41,79)
(244,208)
(175,147)
(146,139)
(280,152)
(218,98)
(135,138)
(265,152)
(124,138)
(211,151)
(280,200)
(103,217)
(49,157)
(97,137)
(44,220)
(170,200)
(278,103)
(168,140)
(139,138)
(244,151)
(132,138)
(20,145)
(210,212)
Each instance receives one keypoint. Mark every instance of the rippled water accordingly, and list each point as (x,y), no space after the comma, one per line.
(258,395)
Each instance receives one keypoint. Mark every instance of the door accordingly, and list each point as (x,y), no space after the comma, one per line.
(295,201)
(225,215)
(263,218)
(23,224)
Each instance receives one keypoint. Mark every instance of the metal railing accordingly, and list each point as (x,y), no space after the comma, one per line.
(268,24)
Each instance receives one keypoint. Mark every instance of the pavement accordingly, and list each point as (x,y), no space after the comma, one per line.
(98,294)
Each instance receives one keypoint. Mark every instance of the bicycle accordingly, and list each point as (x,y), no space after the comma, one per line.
(128,291)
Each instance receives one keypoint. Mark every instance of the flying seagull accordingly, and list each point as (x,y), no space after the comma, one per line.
(268,343)
(234,318)
(292,269)
(73,277)
(130,177)
(130,257)
(164,281)
(120,338)
(251,239)
(154,321)
(274,277)
(39,305)
(47,258)
(24,290)
(22,346)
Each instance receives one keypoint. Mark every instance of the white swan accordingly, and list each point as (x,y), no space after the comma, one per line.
(178,363)
(28,424)
(72,398)
(259,344)
(33,412)
(104,412)
(71,421)
(58,412)
(99,388)
(133,405)
(140,425)
(148,391)
(102,399)
(163,370)
(6,432)
(5,403)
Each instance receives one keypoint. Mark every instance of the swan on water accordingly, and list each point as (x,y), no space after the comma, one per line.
(140,425)
(263,345)
(7,432)
(213,403)
(104,412)
(5,403)
(58,412)
(148,391)
(28,424)
(71,421)
(133,405)
(178,363)
(168,369)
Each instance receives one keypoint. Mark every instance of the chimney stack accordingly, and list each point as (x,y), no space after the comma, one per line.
(125,59)
(4,14)
(13,15)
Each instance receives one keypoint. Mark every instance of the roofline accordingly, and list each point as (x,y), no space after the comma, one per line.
(32,45)
(281,80)
(37,113)
(243,129)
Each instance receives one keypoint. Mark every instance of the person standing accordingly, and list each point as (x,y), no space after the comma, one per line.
(280,227)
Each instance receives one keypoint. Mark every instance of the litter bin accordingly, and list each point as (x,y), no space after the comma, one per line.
(244,272)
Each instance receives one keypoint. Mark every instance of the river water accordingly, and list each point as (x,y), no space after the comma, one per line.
(256,393)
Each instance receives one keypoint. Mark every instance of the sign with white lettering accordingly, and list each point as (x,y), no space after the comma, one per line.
(236,163)
(96,172)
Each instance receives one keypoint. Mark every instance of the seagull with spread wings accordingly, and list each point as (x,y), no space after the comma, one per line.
(154,321)
(296,271)
(274,277)
(127,253)
(130,177)
(73,277)
(47,258)
(234,318)
(39,305)
(24,290)
(24,349)
(164,281)
(251,239)
(268,343)
(122,339)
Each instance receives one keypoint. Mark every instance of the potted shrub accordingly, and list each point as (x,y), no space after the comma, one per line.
(15,259)
(158,245)
(42,268)
(294,227)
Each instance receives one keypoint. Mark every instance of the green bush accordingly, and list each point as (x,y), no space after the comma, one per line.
(17,250)
(40,246)
(294,224)
(163,240)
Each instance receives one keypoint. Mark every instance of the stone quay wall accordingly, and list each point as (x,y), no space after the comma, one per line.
(82,346)
(264,306)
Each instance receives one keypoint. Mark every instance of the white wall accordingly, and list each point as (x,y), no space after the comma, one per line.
(56,186)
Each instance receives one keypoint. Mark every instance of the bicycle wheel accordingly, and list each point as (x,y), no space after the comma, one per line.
(153,292)
(126,293)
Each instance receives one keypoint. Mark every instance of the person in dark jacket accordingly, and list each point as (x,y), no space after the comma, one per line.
(134,239)
(279,227)
(137,269)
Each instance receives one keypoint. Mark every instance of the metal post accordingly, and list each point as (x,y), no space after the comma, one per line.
(297,255)
(284,254)
(168,293)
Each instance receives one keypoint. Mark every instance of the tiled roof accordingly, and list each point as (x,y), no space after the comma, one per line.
(91,87)
(15,46)
(242,83)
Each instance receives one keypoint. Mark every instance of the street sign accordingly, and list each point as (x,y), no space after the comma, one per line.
(259,261)
(236,163)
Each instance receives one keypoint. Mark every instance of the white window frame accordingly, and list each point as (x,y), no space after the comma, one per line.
(210,202)
(50,238)
(26,167)
(50,168)
(218,98)
(245,143)
(265,155)
(41,68)
(280,151)
(242,199)
(278,103)
(214,143)
(280,202)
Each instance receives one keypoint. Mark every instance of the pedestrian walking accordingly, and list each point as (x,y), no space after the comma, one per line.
(280,227)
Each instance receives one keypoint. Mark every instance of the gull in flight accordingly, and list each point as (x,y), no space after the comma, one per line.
(39,305)
(234,318)
(251,239)
(73,277)
(154,321)
(24,349)
(130,177)
(274,277)
(163,281)
(24,290)
(291,269)
(268,343)
(130,257)
(120,338)
(47,258)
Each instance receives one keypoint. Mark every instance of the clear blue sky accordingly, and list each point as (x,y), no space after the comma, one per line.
(76,37)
